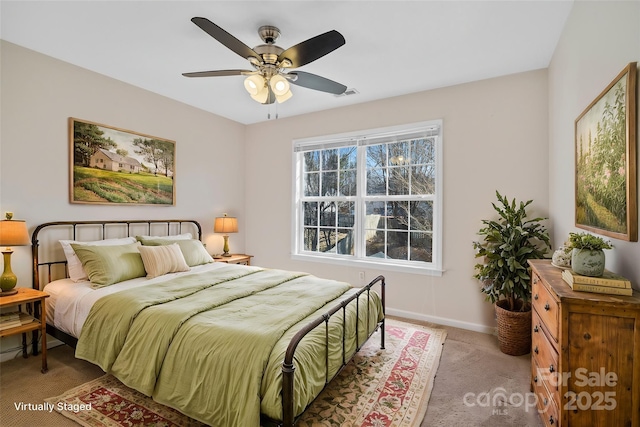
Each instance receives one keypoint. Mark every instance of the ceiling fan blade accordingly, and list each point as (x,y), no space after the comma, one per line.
(312,49)
(225,38)
(218,73)
(315,82)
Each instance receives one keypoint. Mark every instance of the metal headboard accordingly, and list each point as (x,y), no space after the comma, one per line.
(133,228)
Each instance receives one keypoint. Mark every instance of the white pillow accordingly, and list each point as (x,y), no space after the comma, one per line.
(160,260)
(76,272)
(185,236)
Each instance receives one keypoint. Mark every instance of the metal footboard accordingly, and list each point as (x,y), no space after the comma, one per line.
(288,368)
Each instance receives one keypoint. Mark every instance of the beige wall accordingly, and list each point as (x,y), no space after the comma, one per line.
(40,93)
(495,138)
(599,40)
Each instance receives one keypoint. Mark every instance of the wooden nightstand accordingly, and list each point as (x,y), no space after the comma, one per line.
(35,316)
(234,259)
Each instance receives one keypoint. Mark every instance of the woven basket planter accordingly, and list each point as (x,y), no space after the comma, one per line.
(514,329)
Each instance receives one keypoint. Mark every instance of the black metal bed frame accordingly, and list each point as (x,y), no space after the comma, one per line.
(288,367)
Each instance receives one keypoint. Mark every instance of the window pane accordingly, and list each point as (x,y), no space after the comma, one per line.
(312,161)
(310,213)
(423,179)
(345,241)
(376,181)
(399,180)
(422,151)
(312,184)
(421,247)
(422,216)
(376,155)
(310,239)
(329,184)
(348,158)
(327,214)
(398,153)
(348,183)
(330,159)
(346,214)
(397,244)
(375,208)
(375,244)
(398,215)
(327,240)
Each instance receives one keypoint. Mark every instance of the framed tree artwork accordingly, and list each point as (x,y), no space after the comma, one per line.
(605,160)
(109,165)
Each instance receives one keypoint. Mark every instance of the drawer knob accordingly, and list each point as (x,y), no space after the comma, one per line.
(535,297)
(545,401)
(551,368)
(535,328)
(546,306)
(551,421)
(535,379)
(587,336)
(535,350)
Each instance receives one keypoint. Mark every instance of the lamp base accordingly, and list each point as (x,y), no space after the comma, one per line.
(7,293)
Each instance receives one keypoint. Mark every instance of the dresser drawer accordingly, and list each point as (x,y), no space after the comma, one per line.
(545,305)
(545,359)
(546,403)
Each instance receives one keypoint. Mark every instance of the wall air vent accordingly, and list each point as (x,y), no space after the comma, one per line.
(348,92)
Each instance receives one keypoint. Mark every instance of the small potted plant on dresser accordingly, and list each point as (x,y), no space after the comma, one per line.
(587,255)
(507,243)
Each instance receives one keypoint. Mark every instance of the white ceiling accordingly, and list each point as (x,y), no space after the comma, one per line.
(392,47)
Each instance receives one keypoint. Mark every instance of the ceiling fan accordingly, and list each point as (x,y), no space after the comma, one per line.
(269,80)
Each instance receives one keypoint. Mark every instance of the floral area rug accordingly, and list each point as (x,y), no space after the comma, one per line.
(381,388)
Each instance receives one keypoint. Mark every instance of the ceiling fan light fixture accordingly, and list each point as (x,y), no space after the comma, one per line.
(284,96)
(254,84)
(279,85)
(262,96)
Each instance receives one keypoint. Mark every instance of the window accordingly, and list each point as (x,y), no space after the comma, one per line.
(372,197)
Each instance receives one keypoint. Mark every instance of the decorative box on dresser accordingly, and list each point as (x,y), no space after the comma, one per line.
(585,353)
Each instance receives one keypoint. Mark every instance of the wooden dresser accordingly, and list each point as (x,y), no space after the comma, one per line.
(585,353)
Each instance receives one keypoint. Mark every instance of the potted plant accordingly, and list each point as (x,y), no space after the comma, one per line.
(587,255)
(506,246)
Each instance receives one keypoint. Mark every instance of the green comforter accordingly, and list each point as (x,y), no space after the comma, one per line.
(211,344)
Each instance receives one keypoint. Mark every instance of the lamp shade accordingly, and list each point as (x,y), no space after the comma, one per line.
(256,86)
(279,85)
(225,225)
(13,233)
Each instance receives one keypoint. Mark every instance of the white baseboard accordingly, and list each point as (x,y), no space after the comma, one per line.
(441,321)
(51,343)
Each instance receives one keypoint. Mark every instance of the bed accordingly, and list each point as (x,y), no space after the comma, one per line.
(225,344)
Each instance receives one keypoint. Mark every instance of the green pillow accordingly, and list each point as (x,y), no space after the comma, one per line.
(106,265)
(193,250)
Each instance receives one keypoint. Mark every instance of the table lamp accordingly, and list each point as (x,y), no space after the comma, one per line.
(12,233)
(225,224)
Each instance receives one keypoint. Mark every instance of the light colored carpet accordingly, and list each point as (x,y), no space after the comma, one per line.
(471,364)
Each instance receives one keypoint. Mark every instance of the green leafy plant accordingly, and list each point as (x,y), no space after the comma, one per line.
(506,246)
(588,241)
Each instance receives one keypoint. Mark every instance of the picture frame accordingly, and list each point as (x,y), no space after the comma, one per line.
(114,166)
(606,161)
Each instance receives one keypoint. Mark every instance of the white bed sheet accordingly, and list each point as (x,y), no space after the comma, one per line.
(70,302)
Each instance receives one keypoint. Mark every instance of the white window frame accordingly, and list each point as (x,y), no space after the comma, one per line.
(359,259)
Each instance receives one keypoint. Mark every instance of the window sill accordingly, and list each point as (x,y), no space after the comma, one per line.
(426,271)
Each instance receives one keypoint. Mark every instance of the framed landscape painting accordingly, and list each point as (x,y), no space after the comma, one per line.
(605,159)
(116,166)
